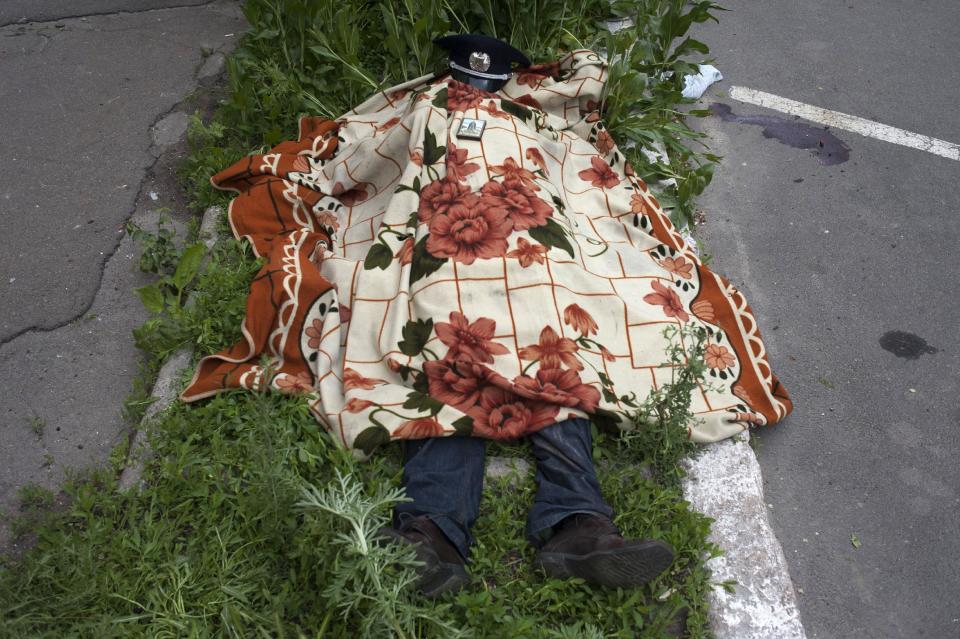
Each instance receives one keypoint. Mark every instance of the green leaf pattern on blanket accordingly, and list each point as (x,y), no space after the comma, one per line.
(463,426)
(423,402)
(440,99)
(552,235)
(415,336)
(379,256)
(516,110)
(371,438)
(432,152)
(423,262)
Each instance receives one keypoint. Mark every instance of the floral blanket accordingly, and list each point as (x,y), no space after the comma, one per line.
(420,282)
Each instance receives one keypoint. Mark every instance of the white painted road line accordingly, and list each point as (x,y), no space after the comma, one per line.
(852,123)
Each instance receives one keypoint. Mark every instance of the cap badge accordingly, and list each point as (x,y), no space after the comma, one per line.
(479,61)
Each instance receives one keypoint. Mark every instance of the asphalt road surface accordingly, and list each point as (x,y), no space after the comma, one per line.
(851,269)
(92,122)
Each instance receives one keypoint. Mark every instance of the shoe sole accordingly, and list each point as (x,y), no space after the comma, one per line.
(626,567)
(436,577)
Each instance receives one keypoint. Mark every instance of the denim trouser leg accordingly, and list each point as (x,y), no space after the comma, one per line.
(444,478)
(566,480)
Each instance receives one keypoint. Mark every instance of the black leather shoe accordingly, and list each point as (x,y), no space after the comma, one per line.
(444,569)
(591,547)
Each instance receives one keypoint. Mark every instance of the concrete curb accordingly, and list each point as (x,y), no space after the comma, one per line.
(165,389)
(724,483)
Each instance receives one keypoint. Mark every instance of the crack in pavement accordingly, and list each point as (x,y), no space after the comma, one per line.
(157,153)
(25,22)
(102,267)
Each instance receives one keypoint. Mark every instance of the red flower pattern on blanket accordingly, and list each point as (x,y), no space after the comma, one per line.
(419,429)
(462,96)
(527,253)
(356,405)
(493,110)
(533,154)
(552,351)
(417,284)
(473,227)
(467,340)
(524,208)
(352,196)
(457,166)
(437,197)
(719,357)
(314,333)
(505,415)
(457,383)
(530,101)
(678,266)
(466,226)
(579,320)
(532,80)
(510,170)
(354,380)
(638,204)
(668,299)
(405,255)
(599,174)
(299,383)
(558,386)
(604,142)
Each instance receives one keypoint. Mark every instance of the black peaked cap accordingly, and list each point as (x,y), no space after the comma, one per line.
(482,56)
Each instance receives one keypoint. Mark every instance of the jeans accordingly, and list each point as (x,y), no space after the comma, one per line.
(444,478)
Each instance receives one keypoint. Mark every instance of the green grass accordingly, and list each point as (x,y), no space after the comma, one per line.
(243,528)
(37,426)
(216,544)
(216,547)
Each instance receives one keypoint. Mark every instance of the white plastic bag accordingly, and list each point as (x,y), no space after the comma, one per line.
(695,85)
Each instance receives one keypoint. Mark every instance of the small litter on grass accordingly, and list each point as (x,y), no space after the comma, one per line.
(695,85)
(855,541)
(688,238)
(153,196)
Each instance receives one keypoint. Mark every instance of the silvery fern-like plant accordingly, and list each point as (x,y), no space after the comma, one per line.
(578,631)
(372,584)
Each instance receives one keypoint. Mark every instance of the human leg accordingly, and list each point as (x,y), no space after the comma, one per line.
(571,523)
(566,479)
(443,477)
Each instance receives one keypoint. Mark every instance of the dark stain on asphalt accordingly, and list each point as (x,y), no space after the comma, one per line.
(825,146)
(906,345)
